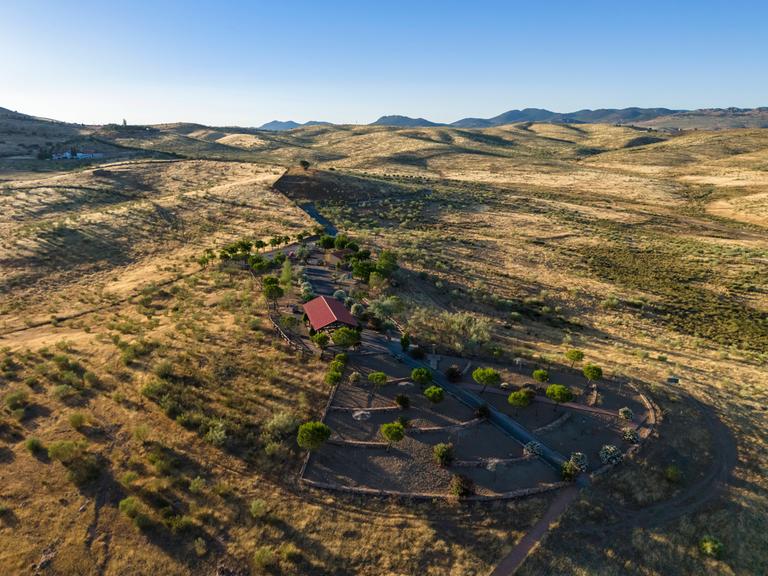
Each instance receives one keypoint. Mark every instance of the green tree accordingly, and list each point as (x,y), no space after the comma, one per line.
(362,269)
(386,265)
(443,453)
(422,376)
(434,394)
(341,241)
(272,292)
(312,435)
(405,342)
(326,242)
(521,398)
(321,339)
(260,245)
(486,377)
(392,432)
(592,372)
(574,356)
(286,274)
(559,393)
(540,375)
(345,337)
(378,379)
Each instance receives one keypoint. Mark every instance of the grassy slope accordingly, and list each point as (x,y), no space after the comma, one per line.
(587,241)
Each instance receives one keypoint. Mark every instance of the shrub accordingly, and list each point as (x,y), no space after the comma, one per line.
(217,433)
(280,426)
(579,459)
(345,337)
(610,454)
(312,435)
(443,453)
(453,373)
(130,506)
(673,474)
(540,375)
(630,435)
(482,411)
(521,398)
(403,401)
(532,448)
(141,433)
(418,353)
(354,377)
(129,478)
(64,392)
(263,558)
(201,548)
(332,377)
(258,508)
(422,376)
(378,379)
(461,486)
(321,339)
(35,446)
(434,394)
(626,413)
(197,485)
(559,393)
(77,420)
(164,370)
(569,470)
(17,400)
(711,546)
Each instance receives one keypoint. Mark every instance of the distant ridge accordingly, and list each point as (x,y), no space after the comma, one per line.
(279,126)
(403,121)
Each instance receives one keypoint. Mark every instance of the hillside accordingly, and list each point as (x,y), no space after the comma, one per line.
(149,406)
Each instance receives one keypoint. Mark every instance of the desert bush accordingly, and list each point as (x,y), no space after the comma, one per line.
(77,420)
(434,394)
(164,370)
(64,392)
(130,506)
(197,485)
(17,400)
(279,427)
(354,378)
(453,373)
(34,445)
(532,448)
(610,454)
(332,377)
(673,474)
(421,376)
(257,508)
(378,379)
(569,470)
(129,478)
(630,435)
(461,486)
(443,453)
(626,413)
(200,547)
(482,411)
(263,558)
(403,401)
(711,546)
(579,459)
(141,433)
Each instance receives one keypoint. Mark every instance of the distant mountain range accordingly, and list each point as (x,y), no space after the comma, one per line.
(279,125)
(660,117)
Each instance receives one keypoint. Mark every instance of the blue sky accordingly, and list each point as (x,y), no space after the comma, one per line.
(248,62)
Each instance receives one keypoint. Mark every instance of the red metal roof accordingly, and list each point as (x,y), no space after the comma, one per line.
(323,311)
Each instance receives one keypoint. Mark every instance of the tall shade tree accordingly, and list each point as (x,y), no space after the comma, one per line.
(345,337)
(378,379)
(574,356)
(312,435)
(422,376)
(486,377)
(592,372)
(540,375)
(392,432)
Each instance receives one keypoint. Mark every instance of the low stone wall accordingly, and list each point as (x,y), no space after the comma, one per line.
(359,490)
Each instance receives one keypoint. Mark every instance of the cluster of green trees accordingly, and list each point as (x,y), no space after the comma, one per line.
(336,369)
